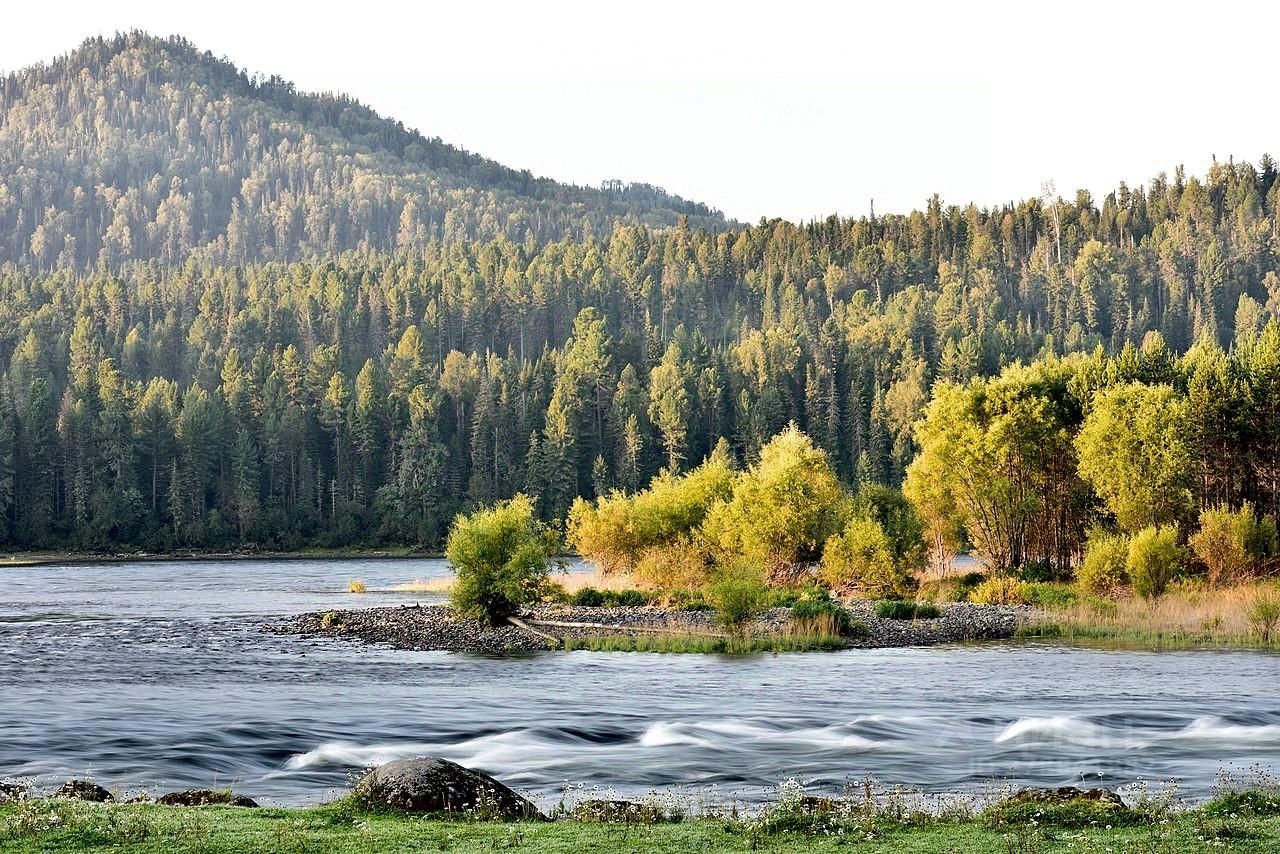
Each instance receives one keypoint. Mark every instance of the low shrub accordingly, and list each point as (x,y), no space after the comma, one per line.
(901,609)
(1155,559)
(590,597)
(1104,569)
(1263,613)
(860,558)
(1231,542)
(1247,802)
(1001,590)
(689,600)
(816,613)
(501,555)
(952,588)
(1039,571)
(1050,595)
(737,595)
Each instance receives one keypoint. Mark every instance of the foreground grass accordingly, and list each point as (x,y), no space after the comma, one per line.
(58,825)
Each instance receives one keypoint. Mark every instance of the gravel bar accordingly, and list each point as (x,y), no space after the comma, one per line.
(435,627)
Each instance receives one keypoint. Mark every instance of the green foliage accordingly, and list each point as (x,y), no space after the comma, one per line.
(815,609)
(592,598)
(1264,613)
(1155,559)
(1104,569)
(501,556)
(861,558)
(737,594)
(1229,543)
(1021,811)
(460,332)
(616,530)
(782,509)
(996,459)
(1133,450)
(1001,590)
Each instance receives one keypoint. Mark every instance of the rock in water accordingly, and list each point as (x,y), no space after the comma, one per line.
(204,797)
(431,785)
(83,790)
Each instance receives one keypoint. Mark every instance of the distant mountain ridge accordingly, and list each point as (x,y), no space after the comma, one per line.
(143,148)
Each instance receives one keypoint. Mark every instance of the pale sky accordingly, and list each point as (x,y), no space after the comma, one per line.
(794,109)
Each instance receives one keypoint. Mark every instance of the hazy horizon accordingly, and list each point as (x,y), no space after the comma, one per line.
(796,115)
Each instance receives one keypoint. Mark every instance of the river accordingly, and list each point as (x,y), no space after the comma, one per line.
(156,675)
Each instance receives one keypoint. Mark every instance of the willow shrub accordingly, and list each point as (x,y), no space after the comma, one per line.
(1155,559)
(1105,566)
(501,555)
(861,558)
(1230,542)
(616,530)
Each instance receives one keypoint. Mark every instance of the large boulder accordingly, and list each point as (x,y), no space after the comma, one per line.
(431,785)
(83,790)
(205,797)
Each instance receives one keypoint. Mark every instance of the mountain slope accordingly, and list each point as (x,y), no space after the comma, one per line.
(137,147)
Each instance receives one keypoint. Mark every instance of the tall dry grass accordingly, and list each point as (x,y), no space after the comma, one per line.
(1186,612)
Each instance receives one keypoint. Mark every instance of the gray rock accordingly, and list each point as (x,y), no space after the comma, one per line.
(13,792)
(431,785)
(205,797)
(1065,794)
(83,790)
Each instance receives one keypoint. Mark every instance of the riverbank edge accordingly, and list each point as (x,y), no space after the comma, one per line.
(20,560)
(46,825)
(645,629)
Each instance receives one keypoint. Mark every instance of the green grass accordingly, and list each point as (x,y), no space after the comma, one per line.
(688,643)
(60,826)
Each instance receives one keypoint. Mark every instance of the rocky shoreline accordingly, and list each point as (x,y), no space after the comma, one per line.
(546,627)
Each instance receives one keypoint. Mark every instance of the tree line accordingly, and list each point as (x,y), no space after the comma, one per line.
(367,397)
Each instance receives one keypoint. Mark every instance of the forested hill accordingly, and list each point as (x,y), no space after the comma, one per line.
(367,397)
(136,147)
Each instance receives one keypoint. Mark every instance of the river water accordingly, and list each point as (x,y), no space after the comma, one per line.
(157,676)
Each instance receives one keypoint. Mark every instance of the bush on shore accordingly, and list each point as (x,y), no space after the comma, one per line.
(501,556)
(1154,560)
(1231,542)
(1104,569)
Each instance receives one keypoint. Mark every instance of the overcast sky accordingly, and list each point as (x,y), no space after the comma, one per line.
(793,109)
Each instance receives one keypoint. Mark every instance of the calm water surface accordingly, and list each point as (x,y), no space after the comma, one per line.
(157,675)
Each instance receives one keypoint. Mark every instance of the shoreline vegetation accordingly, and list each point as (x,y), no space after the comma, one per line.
(408,803)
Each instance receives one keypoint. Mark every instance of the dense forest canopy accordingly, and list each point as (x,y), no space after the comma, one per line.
(136,147)
(218,323)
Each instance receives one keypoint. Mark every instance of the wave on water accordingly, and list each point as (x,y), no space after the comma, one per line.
(1217,729)
(1062,729)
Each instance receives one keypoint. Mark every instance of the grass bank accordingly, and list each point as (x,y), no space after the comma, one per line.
(1188,616)
(1246,824)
